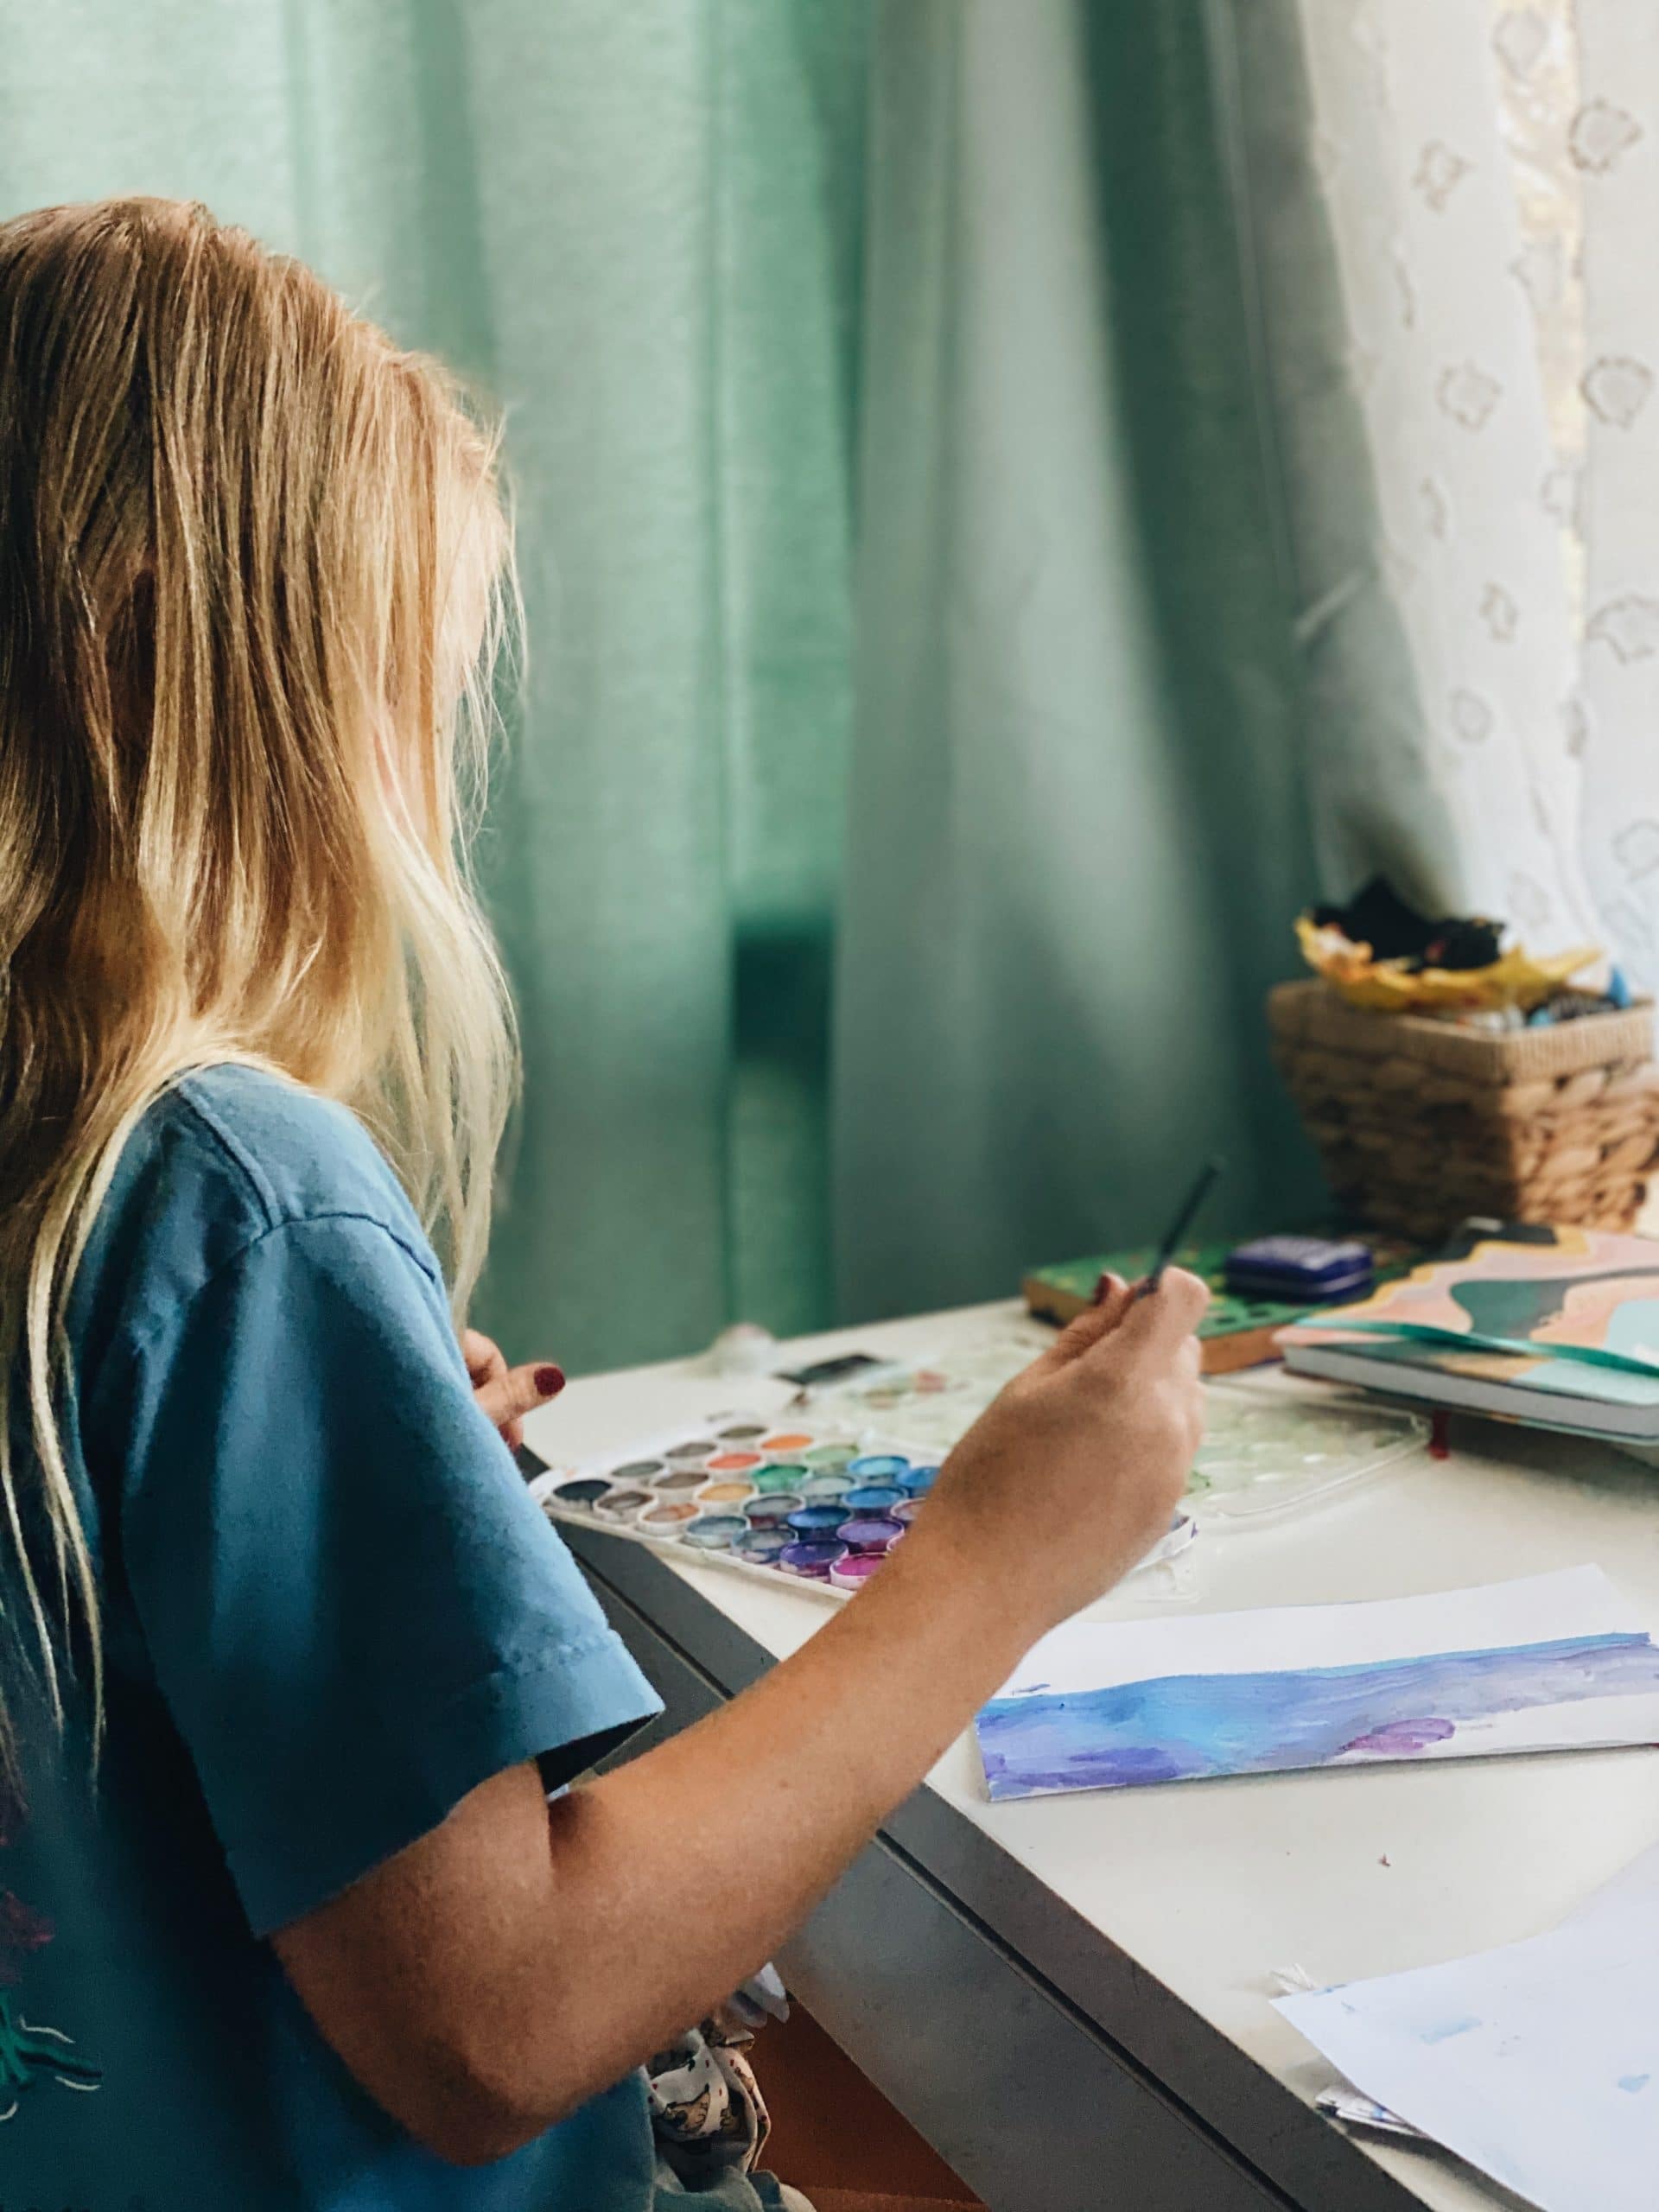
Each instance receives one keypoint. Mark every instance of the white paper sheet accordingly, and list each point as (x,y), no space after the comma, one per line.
(1538,2063)
(1551,1662)
(1088,1655)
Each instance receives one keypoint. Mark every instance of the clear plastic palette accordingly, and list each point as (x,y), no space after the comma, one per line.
(1266,1454)
(932,1402)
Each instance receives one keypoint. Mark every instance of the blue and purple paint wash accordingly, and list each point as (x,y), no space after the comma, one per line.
(1188,1727)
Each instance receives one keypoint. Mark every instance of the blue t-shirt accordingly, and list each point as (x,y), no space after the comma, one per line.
(330,1609)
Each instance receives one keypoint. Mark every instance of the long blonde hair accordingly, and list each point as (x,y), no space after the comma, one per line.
(254,563)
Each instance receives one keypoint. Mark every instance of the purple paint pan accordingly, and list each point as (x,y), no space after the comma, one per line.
(812,1563)
(874,1532)
(907,1511)
(873,1497)
(854,1572)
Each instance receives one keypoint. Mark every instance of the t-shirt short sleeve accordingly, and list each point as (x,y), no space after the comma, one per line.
(354,1610)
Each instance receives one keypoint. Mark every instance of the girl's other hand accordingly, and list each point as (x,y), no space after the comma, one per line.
(507,1394)
(1072,1474)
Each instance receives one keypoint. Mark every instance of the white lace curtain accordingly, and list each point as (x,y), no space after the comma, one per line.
(1491,180)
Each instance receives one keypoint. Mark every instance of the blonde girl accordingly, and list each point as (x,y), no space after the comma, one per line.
(289,1664)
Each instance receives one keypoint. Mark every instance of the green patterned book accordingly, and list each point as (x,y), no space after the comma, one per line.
(1236,1332)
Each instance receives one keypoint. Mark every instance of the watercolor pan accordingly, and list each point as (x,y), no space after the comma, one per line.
(787,1475)
(852,1573)
(815,1520)
(830,1455)
(716,1532)
(870,1532)
(585,1490)
(733,1462)
(678,1481)
(812,1563)
(917,1482)
(873,1497)
(823,1489)
(729,1494)
(667,1518)
(770,1512)
(623,1504)
(761,1545)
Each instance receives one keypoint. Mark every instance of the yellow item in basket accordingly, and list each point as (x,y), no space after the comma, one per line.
(1518,978)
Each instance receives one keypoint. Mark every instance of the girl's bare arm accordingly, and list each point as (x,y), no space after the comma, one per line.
(523,1956)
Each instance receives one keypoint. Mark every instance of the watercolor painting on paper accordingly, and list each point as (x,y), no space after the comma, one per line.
(1552,1662)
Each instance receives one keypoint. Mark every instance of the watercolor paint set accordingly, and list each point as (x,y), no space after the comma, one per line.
(808,1501)
(814,1503)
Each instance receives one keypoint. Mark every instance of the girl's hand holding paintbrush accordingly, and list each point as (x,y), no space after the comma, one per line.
(1072,1476)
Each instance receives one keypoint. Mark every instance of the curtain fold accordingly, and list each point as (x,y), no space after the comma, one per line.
(1483,619)
(1077,828)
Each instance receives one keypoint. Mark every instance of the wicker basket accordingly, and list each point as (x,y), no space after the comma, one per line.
(1421,1124)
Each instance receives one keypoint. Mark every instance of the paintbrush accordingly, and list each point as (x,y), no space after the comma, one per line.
(1183,1221)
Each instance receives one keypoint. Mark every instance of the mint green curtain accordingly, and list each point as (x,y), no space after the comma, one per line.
(639,226)
(910,671)
(1078,830)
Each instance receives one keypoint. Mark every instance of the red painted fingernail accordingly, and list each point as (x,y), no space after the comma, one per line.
(549,1381)
(1101,1290)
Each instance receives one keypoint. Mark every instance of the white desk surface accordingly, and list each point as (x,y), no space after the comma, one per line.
(1212,1885)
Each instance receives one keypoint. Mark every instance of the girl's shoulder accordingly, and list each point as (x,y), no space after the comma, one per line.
(225,1159)
(271,1150)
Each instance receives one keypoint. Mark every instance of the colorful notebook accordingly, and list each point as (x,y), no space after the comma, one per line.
(1556,1327)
